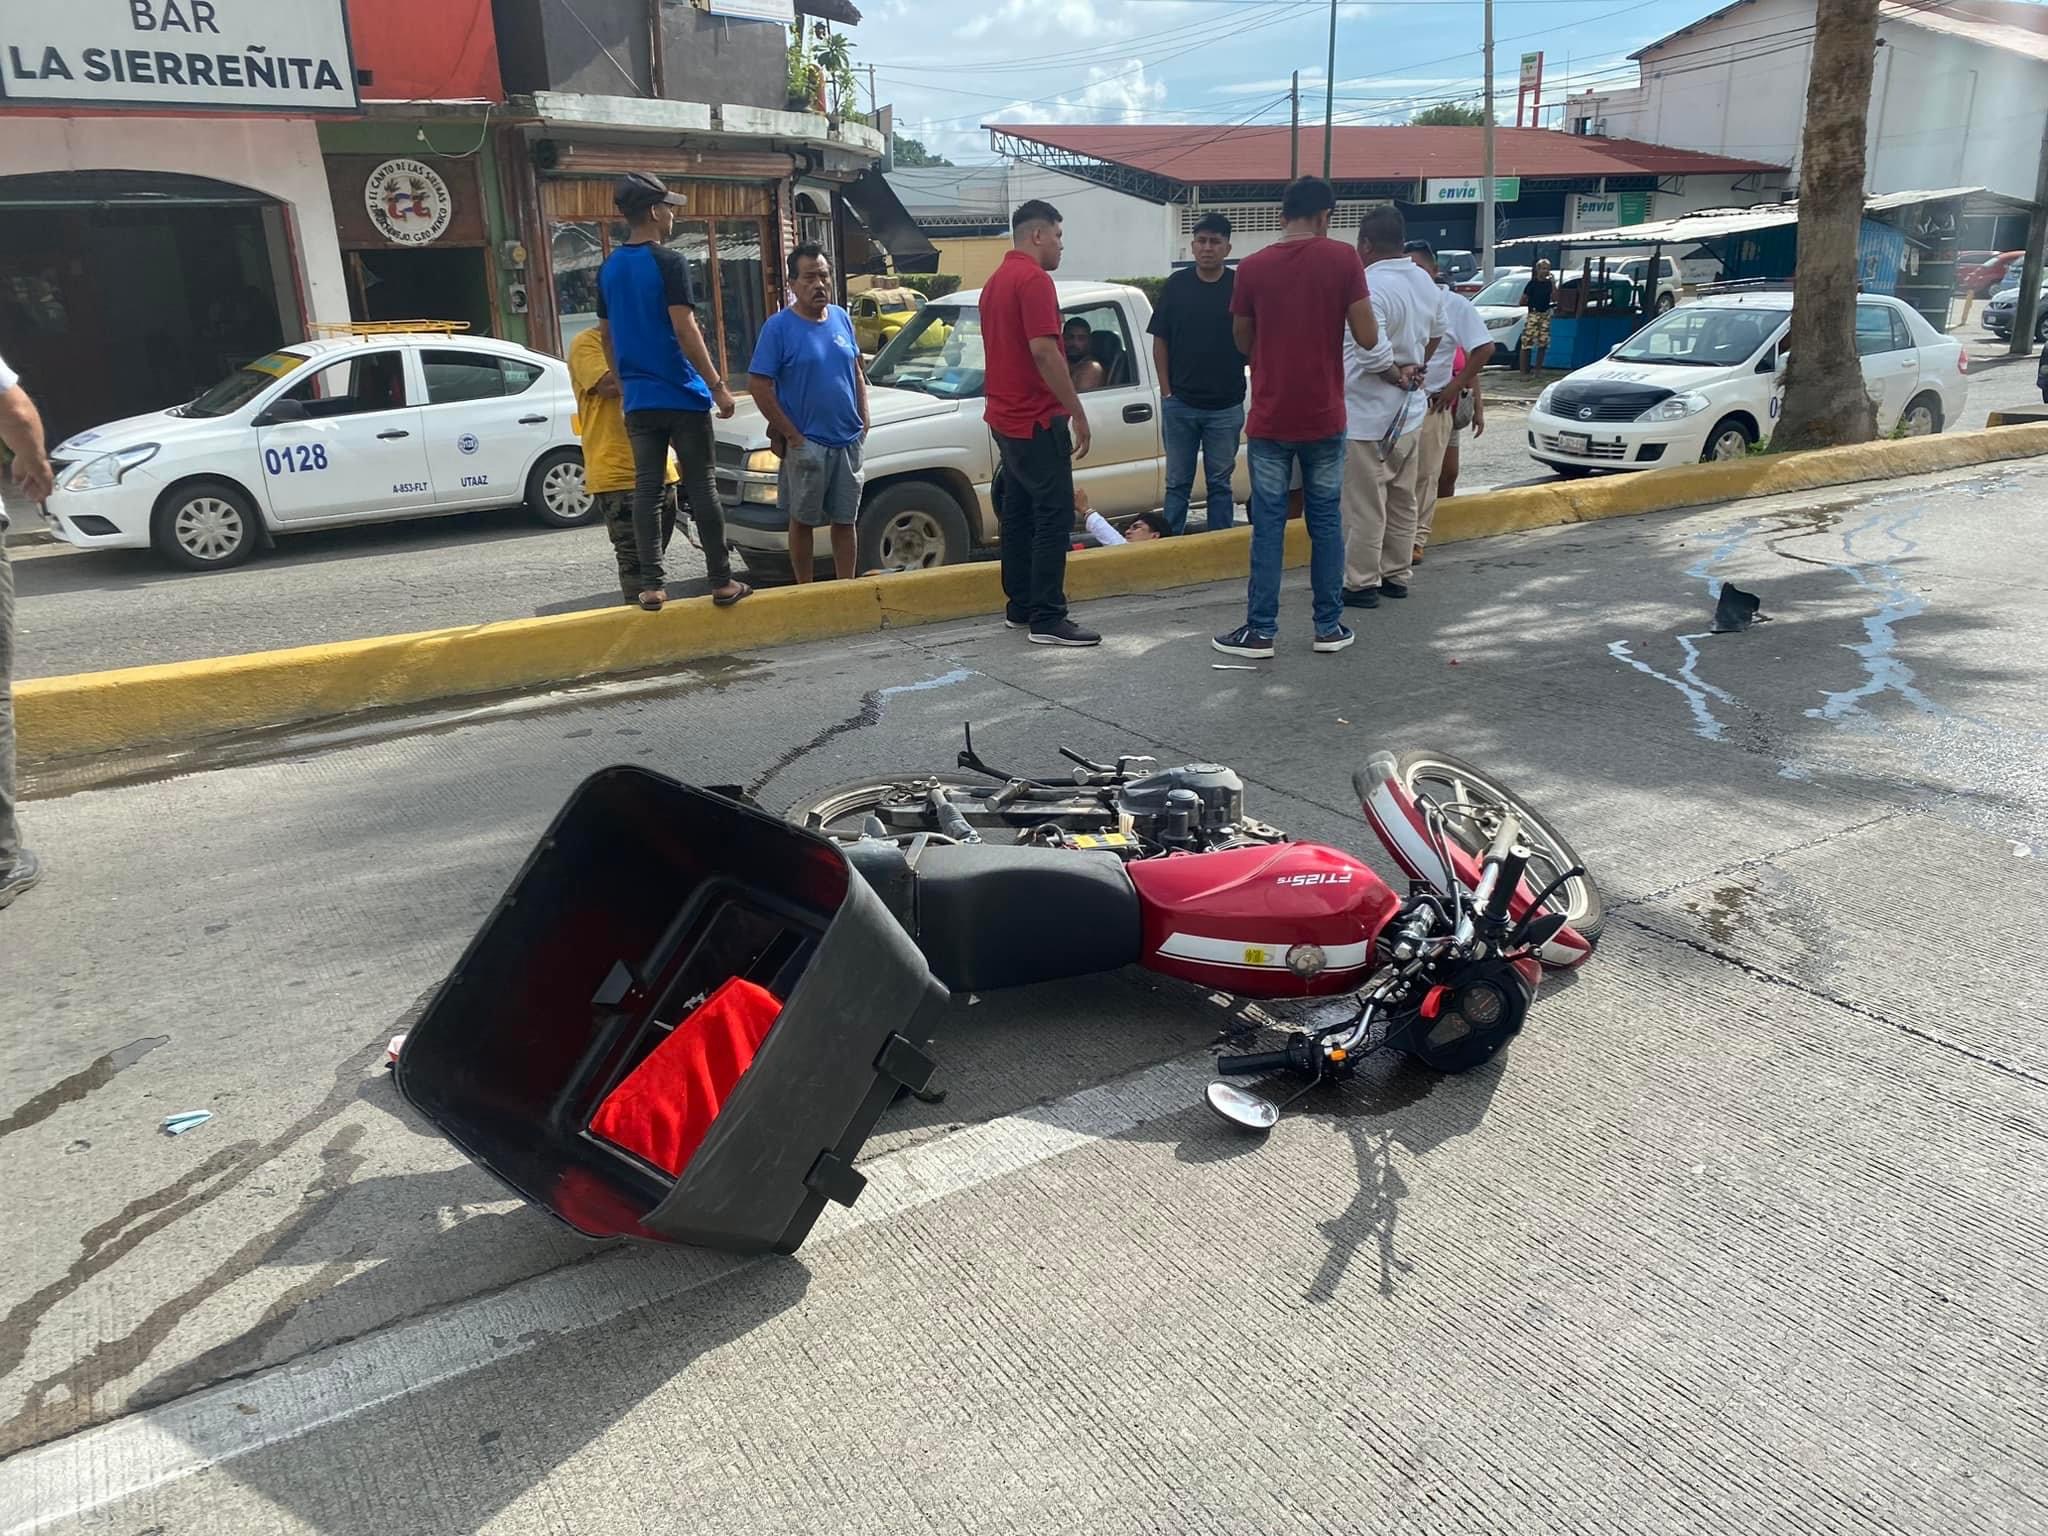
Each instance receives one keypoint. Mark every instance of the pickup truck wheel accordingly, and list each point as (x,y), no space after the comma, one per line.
(911,526)
(1664,302)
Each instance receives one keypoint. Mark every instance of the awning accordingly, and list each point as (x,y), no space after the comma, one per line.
(1718,223)
(829,10)
(882,214)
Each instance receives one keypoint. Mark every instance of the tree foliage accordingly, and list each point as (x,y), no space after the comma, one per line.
(1449,114)
(911,153)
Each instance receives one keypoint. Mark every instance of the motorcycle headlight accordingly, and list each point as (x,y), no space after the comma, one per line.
(1543,400)
(762,461)
(98,473)
(1677,408)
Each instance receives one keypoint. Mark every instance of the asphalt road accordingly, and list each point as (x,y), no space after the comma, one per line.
(1742,1235)
(86,612)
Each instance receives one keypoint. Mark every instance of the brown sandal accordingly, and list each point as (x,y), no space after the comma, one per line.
(652,599)
(727,599)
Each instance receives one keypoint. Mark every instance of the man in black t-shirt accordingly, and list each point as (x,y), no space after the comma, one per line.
(1539,297)
(1201,376)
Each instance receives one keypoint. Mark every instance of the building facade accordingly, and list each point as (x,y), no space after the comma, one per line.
(1956,101)
(1131,194)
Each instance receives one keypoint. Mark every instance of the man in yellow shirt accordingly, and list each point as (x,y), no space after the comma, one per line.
(608,458)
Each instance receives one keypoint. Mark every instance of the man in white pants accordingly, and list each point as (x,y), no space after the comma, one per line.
(1384,409)
(1461,328)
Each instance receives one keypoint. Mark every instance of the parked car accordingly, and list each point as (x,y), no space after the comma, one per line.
(880,313)
(1637,271)
(2003,311)
(1500,305)
(354,429)
(1459,268)
(929,455)
(1983,278)
(1706,381)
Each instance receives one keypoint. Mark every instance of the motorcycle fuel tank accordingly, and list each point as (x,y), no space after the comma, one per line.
(1286,920)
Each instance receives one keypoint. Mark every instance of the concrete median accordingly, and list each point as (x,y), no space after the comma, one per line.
(70,717)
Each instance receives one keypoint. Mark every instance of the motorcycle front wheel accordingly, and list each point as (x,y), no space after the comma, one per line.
(1474,801)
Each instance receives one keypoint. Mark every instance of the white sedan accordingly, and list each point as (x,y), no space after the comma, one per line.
(1500,306)
(1707,380)
(353,429)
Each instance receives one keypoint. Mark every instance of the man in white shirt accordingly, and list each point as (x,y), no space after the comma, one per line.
(1462,330)
(1384,410)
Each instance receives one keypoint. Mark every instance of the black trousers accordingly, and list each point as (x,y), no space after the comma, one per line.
(1037,516)
(652,433)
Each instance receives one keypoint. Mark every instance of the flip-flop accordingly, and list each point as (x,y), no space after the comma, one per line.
(726,600)
(652,601)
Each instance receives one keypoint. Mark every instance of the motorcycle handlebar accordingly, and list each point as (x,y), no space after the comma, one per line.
(1257,1061)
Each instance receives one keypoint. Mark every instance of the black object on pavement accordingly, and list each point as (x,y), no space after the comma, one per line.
(1737,610)
(643,898)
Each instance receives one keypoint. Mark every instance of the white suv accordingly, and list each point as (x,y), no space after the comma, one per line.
(1706,381)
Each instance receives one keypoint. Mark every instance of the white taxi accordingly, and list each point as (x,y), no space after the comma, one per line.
(1706,381)
(379,424)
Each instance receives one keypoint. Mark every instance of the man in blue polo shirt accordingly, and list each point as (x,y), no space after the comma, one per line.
(806,378)
(645,308)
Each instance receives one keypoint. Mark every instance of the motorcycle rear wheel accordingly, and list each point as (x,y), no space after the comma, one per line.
(842,810)
(1452,781)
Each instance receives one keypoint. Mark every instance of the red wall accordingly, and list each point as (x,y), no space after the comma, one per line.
(426,50)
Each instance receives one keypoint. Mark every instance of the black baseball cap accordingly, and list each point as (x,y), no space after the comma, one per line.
(639,191)
(1420,248)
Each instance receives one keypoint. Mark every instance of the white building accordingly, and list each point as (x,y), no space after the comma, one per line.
(1957,100)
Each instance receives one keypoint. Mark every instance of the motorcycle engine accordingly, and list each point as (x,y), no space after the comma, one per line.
(1195,806)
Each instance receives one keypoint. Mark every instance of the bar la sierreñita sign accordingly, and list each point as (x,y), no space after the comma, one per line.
(241,55)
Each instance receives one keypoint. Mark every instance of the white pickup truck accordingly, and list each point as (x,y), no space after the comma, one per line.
(930,457)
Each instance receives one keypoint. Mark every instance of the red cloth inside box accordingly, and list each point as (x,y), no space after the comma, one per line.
(666,1104)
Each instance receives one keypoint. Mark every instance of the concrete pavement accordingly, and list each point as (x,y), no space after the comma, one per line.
(1742,1234)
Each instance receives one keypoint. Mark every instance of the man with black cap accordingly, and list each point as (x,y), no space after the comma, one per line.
(645,309)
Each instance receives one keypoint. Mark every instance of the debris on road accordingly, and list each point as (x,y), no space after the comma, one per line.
(391,1051)
(190,1120)
(1736,610)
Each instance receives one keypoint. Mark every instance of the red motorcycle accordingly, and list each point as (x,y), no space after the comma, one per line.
(1005,879)
(686,1015)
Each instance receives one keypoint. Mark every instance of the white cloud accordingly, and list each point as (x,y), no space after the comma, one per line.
(1121,93)
(1060,21)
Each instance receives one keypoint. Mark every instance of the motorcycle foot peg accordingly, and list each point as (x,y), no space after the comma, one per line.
(835,1178)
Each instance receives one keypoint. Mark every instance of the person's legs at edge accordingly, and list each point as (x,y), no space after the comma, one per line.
(648,432)
(1436,442)
(1364,503)
(1013,518)
(1220,433)
(1052,524)
(1271,465)
(690,432)
(1447,482)
(842,508)
(1322,494)
(10,829)
(1181,429)
(1397,544)
(616,508)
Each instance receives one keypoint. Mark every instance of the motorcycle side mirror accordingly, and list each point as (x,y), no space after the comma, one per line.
(1539,931)
(1243,1108)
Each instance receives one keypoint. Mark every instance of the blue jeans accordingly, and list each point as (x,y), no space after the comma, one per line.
(1215,433)
(1322,490)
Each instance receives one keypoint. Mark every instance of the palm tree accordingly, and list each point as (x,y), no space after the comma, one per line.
(1825,401)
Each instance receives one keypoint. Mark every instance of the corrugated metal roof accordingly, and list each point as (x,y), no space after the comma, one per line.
(1713,223)
(961,192)
(1191,152)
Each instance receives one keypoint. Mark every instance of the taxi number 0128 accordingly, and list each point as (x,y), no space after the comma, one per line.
(298,459)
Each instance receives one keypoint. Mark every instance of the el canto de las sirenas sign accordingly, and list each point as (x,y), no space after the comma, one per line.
(238,55)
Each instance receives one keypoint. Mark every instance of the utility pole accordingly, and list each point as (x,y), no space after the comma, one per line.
(2027,312)
(1294,131)
(1486,182)
(1330,91)
(874,105)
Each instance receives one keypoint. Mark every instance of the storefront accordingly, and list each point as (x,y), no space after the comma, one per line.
(731,233)
(419,216)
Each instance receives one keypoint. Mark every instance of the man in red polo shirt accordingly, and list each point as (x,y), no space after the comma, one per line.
(1039,426)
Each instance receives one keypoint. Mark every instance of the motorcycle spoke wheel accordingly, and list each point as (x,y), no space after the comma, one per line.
(1474,802)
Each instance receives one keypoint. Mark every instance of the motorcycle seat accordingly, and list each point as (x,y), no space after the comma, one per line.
(991,916)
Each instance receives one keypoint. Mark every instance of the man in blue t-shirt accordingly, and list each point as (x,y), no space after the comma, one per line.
(806,378)
(645,308)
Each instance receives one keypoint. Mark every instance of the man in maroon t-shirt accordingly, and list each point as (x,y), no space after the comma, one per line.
(1040,428)
(1289,310)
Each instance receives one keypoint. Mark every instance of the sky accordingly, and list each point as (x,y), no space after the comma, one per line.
(950,65)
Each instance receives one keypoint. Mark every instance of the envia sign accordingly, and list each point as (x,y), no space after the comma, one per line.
(1466,189)
(242,55)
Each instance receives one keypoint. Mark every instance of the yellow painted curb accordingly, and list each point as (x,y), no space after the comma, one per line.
(67,717)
